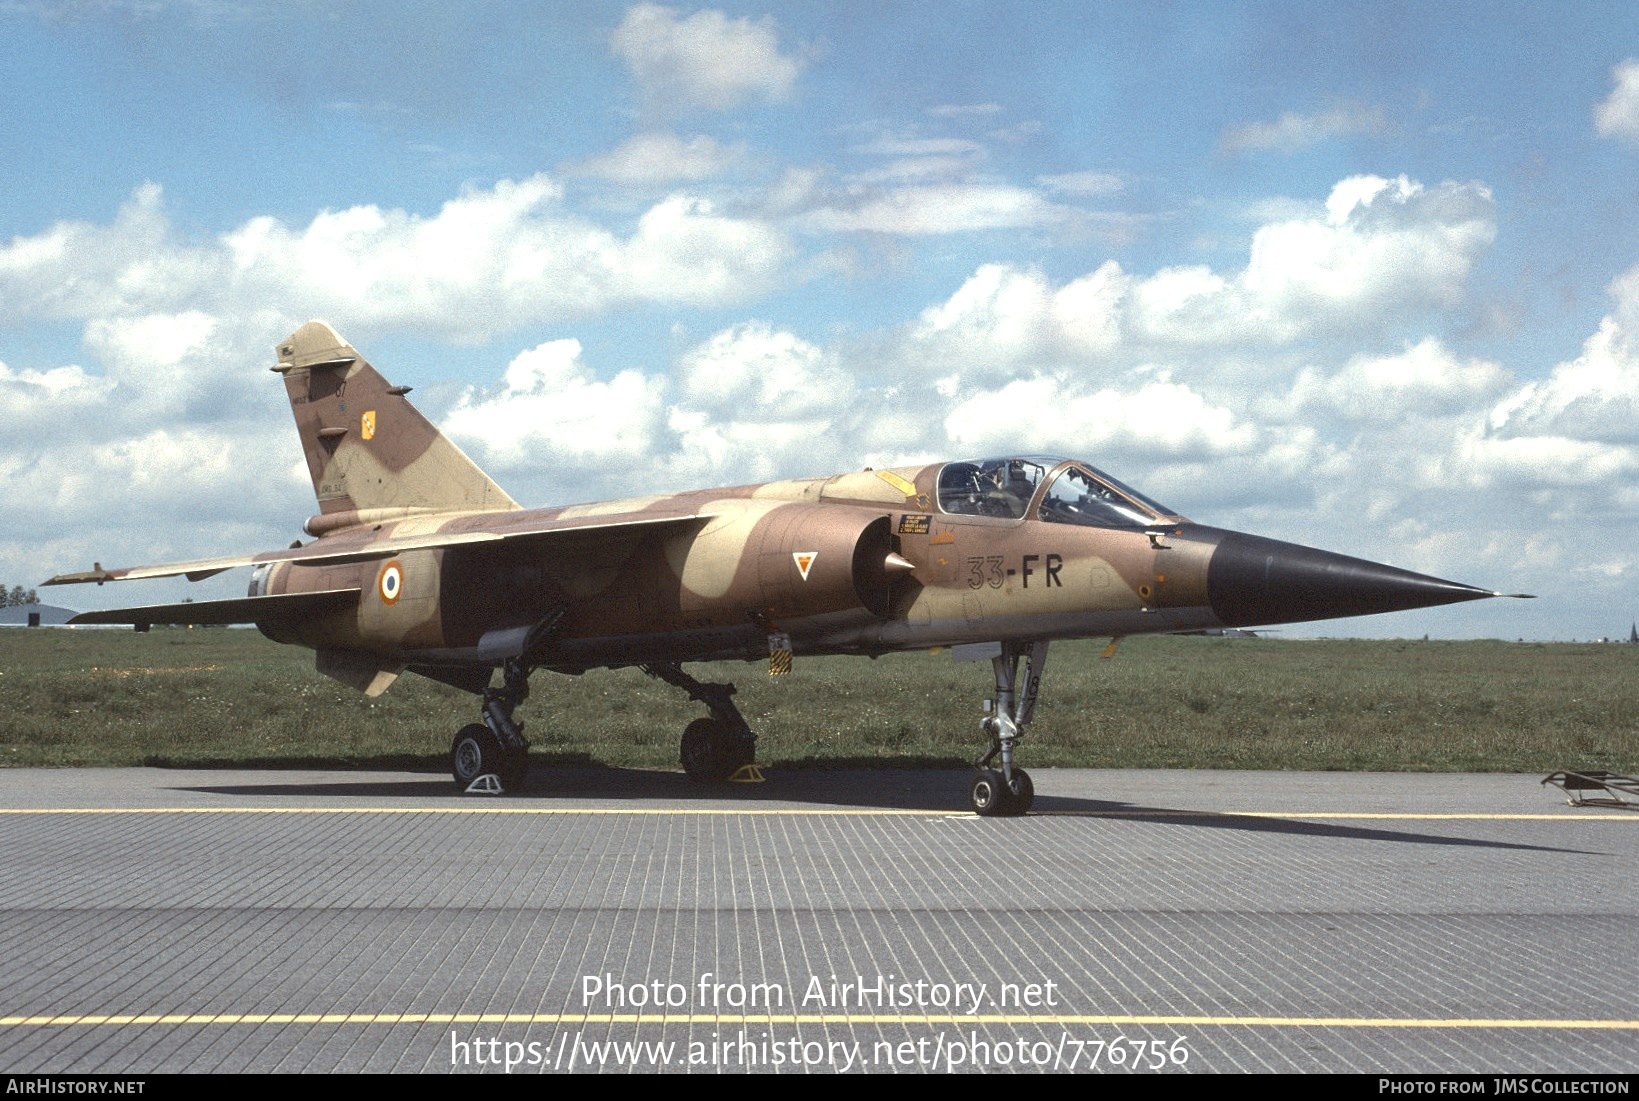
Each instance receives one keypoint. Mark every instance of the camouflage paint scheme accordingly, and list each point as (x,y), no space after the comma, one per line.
(419,561)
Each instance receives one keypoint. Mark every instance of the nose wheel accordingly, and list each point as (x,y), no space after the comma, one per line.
(993,796)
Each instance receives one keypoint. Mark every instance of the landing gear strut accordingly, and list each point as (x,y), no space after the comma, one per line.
(1007,791)
(497,745)
(714,748)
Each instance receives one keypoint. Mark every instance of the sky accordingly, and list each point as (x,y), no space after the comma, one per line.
(1363,276)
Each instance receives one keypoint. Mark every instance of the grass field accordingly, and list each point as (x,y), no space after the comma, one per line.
(219,697)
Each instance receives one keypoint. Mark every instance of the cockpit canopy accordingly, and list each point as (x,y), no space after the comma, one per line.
(1074,493)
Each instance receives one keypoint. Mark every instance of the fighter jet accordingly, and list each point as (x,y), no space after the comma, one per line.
(418,562)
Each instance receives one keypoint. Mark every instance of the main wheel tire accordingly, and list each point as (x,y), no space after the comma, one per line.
(989,796)
(1021,793)
(711,751)
(474,752)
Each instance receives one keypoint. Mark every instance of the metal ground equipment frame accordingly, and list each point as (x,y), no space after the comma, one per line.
(1620,791)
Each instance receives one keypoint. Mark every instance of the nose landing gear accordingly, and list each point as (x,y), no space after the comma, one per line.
(1007,791)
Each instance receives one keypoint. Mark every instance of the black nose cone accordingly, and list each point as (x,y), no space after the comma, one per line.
(1252,580)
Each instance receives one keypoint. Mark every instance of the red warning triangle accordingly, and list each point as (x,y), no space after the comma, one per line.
(805,561)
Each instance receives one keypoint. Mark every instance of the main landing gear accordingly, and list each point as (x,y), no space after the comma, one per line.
(1007,791)
(714,748)
(497,745)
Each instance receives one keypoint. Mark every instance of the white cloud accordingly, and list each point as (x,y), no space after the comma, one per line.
(1617,115)
(487,261)
(181,425)
(750,403)
(1383,241)
(151,343)
(659,158)
(194,12)
(999,311)
(798,189)
(705,60)
(753,372)
(1384,250)
(684,251)
(1001,318)
(107,468)
(1538,461)
(1012,360)
(725,450)
(23,392)
(1424,380)
(1386,246)
(933,186)
(552,412)
(1594,397)
(935,209)
(186,367)
(1293,131)
(1425,373)
(754,403)
(1281,208)
(1156,419)
(912,160)
(174,417)
(76,269)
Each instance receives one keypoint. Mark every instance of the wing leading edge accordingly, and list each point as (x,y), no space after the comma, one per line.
(343,548)
(248,609)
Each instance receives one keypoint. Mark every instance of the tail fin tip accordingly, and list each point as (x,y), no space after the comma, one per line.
(367,448)
(313,342)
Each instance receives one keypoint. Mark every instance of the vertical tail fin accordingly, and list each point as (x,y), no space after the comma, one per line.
(368,449)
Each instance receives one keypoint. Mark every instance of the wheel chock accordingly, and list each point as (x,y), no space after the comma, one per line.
(487,784)
(747,774)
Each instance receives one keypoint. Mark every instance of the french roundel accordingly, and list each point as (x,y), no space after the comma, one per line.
(391,583)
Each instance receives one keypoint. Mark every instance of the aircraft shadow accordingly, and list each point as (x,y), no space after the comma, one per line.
(885,787)
(890,786)
(1246,823)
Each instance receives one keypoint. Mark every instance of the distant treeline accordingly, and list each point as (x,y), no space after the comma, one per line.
(17,595)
